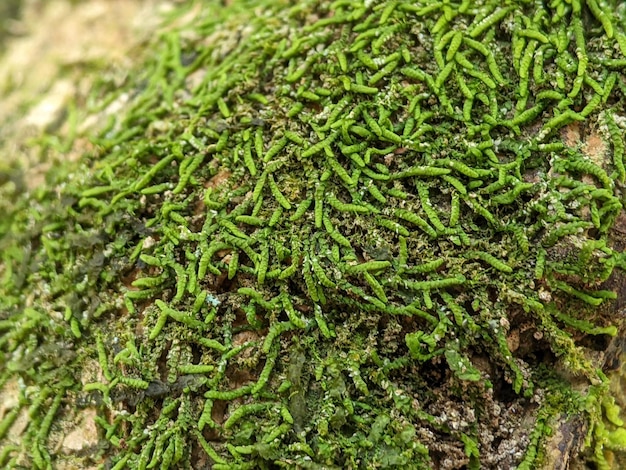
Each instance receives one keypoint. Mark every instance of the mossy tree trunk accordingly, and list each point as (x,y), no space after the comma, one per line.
(332,235)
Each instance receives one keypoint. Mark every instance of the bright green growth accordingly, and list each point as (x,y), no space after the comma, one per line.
(314,235)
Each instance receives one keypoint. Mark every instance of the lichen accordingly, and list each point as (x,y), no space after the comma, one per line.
(314,238)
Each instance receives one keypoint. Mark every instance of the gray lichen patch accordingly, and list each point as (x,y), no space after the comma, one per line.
(347,235)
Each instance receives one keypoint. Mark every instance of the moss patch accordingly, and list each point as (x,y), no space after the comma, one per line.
(347,235)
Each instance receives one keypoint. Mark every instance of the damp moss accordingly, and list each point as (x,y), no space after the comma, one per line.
(332,235)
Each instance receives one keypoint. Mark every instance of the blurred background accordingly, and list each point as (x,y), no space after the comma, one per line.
(53,55)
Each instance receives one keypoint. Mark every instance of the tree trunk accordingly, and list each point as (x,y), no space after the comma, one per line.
(313,235)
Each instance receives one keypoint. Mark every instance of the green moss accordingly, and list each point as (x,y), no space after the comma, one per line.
(313,235)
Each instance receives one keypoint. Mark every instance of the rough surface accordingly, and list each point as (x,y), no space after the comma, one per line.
(351,235)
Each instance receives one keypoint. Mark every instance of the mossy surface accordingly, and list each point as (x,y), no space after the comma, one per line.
(332,235)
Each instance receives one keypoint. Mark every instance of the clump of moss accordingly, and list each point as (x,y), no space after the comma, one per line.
(348,234)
